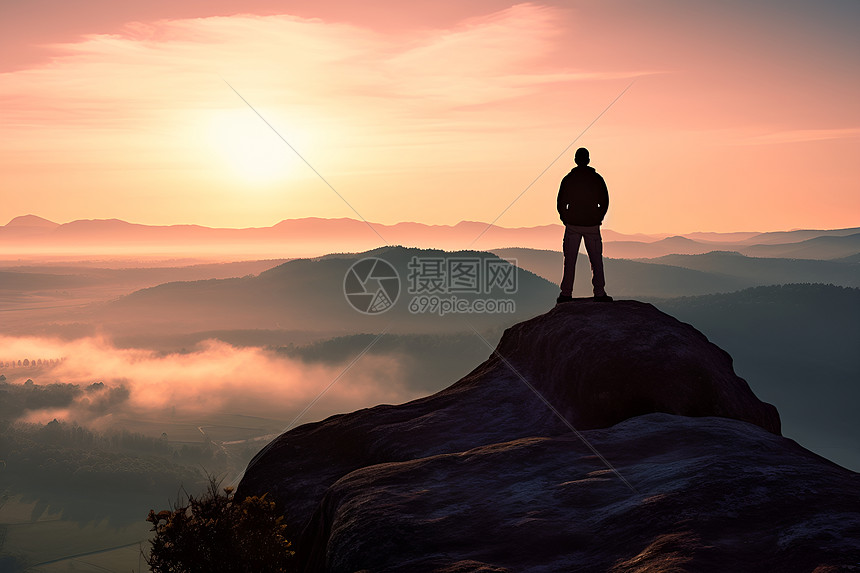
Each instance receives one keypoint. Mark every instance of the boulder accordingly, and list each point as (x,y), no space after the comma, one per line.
(601,365)
(594,435)
(711,495)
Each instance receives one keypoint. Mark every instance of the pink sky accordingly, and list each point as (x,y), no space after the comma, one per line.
(743,116)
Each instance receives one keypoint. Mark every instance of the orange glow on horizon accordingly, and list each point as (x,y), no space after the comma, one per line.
(439,125)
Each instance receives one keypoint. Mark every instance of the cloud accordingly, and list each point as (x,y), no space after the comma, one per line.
(152,88)
(139,125)
(801,135)
(96,382)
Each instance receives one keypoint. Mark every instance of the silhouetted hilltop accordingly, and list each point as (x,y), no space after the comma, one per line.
(483,476)
(308,294)
(32,222)
(760,271)
(627,278)
(824,247)
(798,235)
(687,275)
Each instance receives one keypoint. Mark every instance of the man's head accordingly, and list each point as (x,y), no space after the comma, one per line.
(581,158)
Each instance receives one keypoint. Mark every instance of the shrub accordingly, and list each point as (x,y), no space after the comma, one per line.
(214,533)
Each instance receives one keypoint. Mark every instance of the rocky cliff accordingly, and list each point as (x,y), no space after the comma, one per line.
(597,437)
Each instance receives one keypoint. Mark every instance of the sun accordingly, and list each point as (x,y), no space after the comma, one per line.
(249,148)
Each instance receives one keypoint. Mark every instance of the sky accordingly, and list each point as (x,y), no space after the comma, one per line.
(740,115)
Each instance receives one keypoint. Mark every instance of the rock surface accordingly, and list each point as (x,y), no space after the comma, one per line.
(483,476)
(712,495)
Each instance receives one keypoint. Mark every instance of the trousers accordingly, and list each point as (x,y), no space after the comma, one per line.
(573,236)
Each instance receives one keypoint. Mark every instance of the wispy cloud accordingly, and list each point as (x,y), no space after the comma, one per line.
(800,135)
(159,79)
(364,107)
(170,64)
(139,125)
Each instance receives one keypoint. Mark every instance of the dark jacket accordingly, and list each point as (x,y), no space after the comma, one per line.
(582,197)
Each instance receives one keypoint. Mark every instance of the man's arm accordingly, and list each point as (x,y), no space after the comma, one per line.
(603,198)
(561,202)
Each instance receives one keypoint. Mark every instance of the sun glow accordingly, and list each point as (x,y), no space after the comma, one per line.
(249,148)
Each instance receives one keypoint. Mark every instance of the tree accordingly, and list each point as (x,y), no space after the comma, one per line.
(214,533)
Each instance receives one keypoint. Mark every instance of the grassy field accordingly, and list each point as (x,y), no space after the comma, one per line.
(122,559)
(105,532)
(40,540)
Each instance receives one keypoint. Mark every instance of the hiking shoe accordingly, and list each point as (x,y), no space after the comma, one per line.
(603,298)
(563,298)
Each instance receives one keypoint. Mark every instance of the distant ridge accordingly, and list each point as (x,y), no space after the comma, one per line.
(820,247)
(314,236)
(310,236)
(32,221)
(797,235)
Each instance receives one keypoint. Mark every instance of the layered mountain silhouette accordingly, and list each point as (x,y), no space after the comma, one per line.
(687,275)
(824,247)
(310,236)
(796,344)
(596,437)
(309,294)
(314,236)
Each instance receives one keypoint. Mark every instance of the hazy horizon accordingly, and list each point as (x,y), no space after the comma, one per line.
(115,241)
(405,222)
(125,112)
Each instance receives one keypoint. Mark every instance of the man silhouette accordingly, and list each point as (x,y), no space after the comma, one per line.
(582,203)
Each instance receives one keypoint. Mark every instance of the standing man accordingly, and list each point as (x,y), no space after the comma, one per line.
(582,203)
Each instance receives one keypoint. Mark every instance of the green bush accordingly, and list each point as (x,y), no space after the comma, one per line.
(214,533)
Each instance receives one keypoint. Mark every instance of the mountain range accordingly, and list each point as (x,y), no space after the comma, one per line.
(687,275)
(316,236)
(786,339)
(308,294)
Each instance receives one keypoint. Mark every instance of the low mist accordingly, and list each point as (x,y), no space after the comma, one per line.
(93,383)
